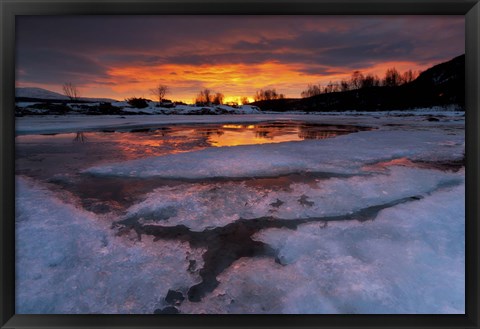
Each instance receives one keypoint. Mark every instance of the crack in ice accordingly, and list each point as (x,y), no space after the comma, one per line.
(224,245)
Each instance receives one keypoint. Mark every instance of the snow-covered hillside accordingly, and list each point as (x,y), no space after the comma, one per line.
(38,101)
(40,93)
(32,92)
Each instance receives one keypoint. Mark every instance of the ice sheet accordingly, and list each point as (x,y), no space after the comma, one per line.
(200,206)
(343,154)
(69,261)
(410,259)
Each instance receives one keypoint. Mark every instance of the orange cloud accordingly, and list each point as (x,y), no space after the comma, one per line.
(233,80)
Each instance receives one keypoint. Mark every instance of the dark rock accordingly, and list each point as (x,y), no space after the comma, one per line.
(277,203)
(304,201)
(174,297)
(167,310)
(192,265)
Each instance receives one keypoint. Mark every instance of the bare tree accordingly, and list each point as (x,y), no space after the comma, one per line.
(370,81)
(159,92)
(344,85)
(332,87)
(205,96)
(266,95)
(392,78)
(244,100)
(218,98)
(312,90)
(409,76)
(356,80)
(71,91)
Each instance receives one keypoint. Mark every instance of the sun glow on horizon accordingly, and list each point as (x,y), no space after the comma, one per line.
(123,57)
(234,81)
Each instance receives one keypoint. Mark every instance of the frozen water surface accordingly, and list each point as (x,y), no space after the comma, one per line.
(199,206)
(68,260)
(336,155)
(337,213)
(410,259)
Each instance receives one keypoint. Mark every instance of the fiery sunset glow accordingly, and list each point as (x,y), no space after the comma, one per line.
(120,57)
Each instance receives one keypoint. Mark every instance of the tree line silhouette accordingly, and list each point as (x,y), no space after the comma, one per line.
(440,85)
(358,80)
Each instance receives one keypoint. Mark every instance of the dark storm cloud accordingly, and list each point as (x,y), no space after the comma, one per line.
(54,66)
(361,44)
(83,48)
(129,34)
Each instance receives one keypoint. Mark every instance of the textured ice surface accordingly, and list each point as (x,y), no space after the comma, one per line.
(201,206)
(410,259)
(68,261)
(343,154)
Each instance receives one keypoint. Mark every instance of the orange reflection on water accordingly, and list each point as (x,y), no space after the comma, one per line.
(235,134)
(382,166)
(152,143)
(143,142)
(247,137)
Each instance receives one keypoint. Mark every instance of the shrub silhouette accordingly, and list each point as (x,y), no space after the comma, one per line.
(138,103)
(108,108)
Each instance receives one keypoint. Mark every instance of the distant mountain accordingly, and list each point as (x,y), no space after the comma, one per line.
(442,84)
(40,94)
(31,92)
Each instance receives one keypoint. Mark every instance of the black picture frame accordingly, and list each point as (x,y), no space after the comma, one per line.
(11,8)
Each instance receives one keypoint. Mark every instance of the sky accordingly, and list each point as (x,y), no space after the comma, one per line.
(125,56)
